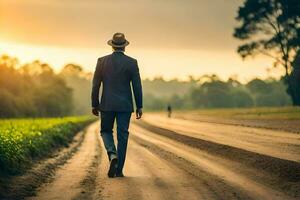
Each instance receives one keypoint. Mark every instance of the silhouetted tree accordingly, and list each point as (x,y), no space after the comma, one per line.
(271,27)
(294,86)
(257,86)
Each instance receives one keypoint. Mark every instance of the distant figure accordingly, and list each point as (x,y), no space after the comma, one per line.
(169,109)
(116,71)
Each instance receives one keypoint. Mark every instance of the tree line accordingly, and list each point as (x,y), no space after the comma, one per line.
(215,93)
(32,90)
(35,90)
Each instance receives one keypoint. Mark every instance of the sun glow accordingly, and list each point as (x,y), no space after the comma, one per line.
(163,62)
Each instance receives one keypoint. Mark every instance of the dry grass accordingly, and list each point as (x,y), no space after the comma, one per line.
(250,113)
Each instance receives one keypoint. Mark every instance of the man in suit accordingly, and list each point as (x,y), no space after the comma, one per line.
(117,72)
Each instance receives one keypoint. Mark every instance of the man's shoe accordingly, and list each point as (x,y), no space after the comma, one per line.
(120,175)
(113,167)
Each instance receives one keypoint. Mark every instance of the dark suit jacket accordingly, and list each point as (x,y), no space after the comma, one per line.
(116,71)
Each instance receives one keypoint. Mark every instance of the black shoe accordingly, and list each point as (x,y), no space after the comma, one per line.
(113,167)
(120,175)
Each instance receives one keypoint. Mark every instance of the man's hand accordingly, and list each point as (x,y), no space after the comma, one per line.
(139,113)
(95,111)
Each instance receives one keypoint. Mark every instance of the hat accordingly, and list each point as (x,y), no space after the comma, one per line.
(118,40)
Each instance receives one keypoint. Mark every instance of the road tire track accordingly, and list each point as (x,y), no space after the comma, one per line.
(285,170)
(216,187)
(148,176)
(157,143)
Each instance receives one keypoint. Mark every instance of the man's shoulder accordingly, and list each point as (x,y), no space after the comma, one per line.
(127,58)
(104,57)
(131,59)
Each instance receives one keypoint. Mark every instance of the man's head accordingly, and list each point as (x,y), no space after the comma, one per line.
(118,42)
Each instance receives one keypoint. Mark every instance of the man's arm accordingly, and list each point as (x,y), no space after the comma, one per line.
(137,90)
(96,87)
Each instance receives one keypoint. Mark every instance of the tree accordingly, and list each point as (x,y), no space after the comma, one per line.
(213,94)
(257,86)
(294,87)
(271,27)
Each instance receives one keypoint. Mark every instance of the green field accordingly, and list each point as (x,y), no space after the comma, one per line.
(23,140)
(286,113)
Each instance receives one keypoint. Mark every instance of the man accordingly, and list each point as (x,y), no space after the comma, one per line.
(116,72)
(169,109)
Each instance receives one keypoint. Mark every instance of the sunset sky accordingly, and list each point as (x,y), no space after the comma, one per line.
(170,38)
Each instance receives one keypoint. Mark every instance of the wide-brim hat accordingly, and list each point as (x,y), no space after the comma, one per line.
(118,40)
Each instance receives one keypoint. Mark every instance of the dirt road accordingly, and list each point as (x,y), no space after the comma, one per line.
(181,159)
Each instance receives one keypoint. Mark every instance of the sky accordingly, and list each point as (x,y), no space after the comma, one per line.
(169,38)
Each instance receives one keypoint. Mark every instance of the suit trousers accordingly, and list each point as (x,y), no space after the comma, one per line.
(107,123)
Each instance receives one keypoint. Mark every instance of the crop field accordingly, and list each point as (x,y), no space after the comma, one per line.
(23,140)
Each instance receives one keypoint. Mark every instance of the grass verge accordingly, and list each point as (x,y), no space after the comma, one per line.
(268,113)
(24,140)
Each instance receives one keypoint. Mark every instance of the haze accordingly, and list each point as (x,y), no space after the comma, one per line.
(170,38)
